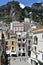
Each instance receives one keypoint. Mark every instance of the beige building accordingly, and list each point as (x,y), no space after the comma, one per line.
(11,47)
(11,44)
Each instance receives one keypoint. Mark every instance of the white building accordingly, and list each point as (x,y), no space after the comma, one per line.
(16,26)
(24,43)
(37,47)
(29,43)
(21,43)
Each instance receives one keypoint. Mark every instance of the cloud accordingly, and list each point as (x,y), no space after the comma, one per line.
(22,6)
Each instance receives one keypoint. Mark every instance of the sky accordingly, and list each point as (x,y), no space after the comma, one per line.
(24,2)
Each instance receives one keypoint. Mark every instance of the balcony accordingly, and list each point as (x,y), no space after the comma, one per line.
(23,40)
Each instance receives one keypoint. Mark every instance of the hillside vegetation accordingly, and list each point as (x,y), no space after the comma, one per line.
(12,10)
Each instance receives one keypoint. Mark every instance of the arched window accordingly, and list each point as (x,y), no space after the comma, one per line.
(35,40)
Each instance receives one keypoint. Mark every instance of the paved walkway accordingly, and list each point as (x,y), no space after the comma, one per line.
(18,61)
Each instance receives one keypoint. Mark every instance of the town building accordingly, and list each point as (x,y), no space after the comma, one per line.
(27,24)
(24,43)
(16,26)
(11,45)
(29,43)
(20,29)
(21,43)
(37,47)
(3,28)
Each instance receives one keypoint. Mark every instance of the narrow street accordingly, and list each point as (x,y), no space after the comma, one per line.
(18,61)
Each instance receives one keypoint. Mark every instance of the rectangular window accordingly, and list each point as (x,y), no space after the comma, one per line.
(6,42)
(12,48)
(19,39)
(23,49)
(29,42)
(19,45)
(13,36)
(12,42)
(23,45)
(35,40)
(35,48)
